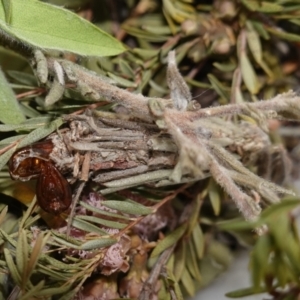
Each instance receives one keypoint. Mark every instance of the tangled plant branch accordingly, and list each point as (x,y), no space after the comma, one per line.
(186,144)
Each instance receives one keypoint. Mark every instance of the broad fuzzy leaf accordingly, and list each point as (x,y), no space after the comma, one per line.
(51,27)
(10,112)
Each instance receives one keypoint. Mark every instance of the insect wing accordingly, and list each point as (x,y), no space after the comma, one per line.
(25,163)
(53,190)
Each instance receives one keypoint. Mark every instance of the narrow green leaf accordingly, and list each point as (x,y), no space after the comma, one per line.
(54,291)
(254,43)
(22,256)
(214,196)
(32,123)
(286,205)
(169,240)
(174,285)
(128,207)
(122,81)
(4,158)
(7,10)
(199,242)
(86,226)
(102,212)
(3,214)
(11,139)
(179,263)
(33,292)
(97,244)
(107,223)
(284,35)
(35,254)
(13,271)
(57,275)
(40,132)
(244,292)
(25,78)
(57,28)
(225,67)
(66,238)
(218,87)
(248,74)
(10,112)
(58,264)
(188,283)
(191,262)
(64,242)
(260,259)
(126,69)
(262,6)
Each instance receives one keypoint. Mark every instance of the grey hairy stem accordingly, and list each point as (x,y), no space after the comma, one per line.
(167,140)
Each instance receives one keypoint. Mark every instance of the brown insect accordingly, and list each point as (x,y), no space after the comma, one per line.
(52,190)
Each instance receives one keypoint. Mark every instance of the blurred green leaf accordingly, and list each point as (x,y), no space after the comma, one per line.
(188,283)
(214,193)
(98,243)
(128,207)
(107,223)
(262,6)
(249,76)
(260,260)
(86,226)
(10,112)
(7,10)
(57,28)
(179,263)
(199,241)
(33,291)
(169,240)
(244,292)
(13,271)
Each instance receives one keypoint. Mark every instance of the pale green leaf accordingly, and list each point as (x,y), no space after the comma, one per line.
(4,158)
(51,27)
(86,226)
(179,263)
(169,240)
(107,223)
(33,291)
(52,273)
(248,74)
(260,259)
(7,10)
(244,292)
(25,78)
(54,291)
(32,123)
(188,283)
(214,196)
(198,238)
(97,244)
(10,112)
(102,212)
(218,87)
(35,254)
(225,67)
(254,43)
(128,207)
(22,255)
(3,214)
(262,6)
(191,262)
(122,81)
(13,271)
(40,132)
(284,35)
